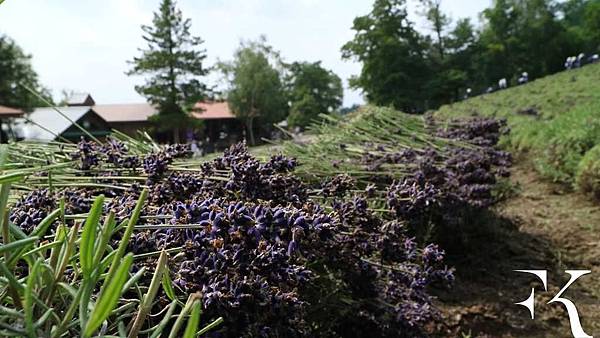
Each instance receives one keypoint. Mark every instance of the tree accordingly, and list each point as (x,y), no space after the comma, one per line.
(447,80)
(580,18)
(311,90)
(394,69)
(255,90)
(592,24)
(16,75)
(173,61)
(438,21)
(522,36)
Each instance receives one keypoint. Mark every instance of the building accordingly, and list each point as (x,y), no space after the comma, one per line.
(7,116)
(219,129)
(46,124)
(127,118)
(80,99)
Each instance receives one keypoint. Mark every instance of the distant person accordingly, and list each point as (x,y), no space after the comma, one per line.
(571,60)
(467,93)
(502,84)
(196,150)
(579,60)
(524,78)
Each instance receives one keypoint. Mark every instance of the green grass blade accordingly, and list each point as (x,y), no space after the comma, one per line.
(168,286)
(59,237)
(12,280)
(181,316)
(88,237)
(134,279)
(110,296)
(211,326)
(109,224)
(40,229)
(43,318)
(70,290)
(146,305)
(28,303)
(4,192)
(43,247)
(17,244)
(16,231)
(11,178)
(135,215)
(193,321)
(163,323)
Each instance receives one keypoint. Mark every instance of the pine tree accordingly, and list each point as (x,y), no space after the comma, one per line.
(173,62)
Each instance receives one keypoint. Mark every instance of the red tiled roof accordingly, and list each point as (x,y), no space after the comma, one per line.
(139,112)
(10,112)
(133,112)
(212,110)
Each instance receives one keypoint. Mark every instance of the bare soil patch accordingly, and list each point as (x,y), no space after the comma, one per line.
(542,227)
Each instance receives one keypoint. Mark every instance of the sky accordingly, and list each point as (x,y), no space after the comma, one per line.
(84,45)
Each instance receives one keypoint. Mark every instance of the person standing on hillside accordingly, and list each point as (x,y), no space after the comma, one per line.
(579,60)
(502,83)
(524,78)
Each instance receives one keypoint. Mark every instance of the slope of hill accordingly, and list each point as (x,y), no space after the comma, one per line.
(555,134)
(555,119)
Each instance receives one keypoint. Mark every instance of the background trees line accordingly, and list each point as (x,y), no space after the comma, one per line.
(414,71)
(410,70)
(260,88)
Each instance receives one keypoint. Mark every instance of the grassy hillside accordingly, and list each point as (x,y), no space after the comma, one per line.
(555,120)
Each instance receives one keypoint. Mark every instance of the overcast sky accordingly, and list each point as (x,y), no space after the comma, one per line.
(83,45)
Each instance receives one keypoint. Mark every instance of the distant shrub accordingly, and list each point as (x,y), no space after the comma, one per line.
(588,172)
(562,142)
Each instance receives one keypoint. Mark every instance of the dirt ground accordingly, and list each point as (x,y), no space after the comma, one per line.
(541,227)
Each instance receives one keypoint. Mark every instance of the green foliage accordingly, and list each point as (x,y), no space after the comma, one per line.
(16,70)
(581,19)
(174,63)
(592,22)
(414,72)
(311,90)
(562,142)
(554,120)
(391,51)
(588,172)
(522,36)
(438,24)
(255,90)
(41,299)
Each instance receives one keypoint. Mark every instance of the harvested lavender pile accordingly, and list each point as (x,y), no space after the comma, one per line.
(332,241)
(425,172)
(250,237)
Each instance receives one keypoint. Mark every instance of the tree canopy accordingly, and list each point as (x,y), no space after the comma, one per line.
(311,90)
(392,55)
(16,75)
(173,63)
(414,71)
(255,91)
